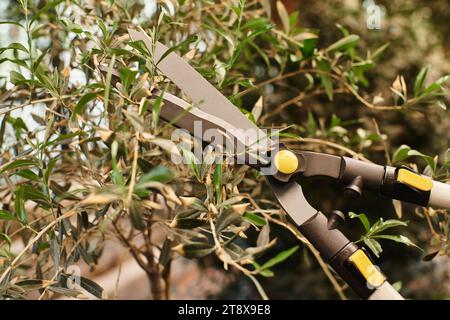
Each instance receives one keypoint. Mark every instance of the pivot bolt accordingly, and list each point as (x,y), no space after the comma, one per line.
(286,161)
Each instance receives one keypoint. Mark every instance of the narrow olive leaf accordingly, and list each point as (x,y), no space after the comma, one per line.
(34,284)
(144,165)
(6,215)
(254,219)
(429,160)
(13,22)
(263,236)
(284,16)
(14,46)
(374,246)
(136,217)
(127,76)
(17,164)
(81,105)
(343,44)
(159,173)
(108,84)
(398,208)
(225,220)
(185,43)
(279,258)
(266,273)
(362,217)
(327,85)
(92,287)
(5,237)
(397,285)
(38,119)
(397,238)
(217,181)
(382,225)
(194,250)
(430,256)
(420,80)
(19,204)
(2,129)
(156,109)
(379,52)
(73,293)
(165,253)
(401,153)
(186,223)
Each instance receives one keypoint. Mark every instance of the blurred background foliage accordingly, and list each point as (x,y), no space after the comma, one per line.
(84,162)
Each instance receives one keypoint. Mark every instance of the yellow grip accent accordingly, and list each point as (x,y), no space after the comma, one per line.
(414,180)
(286,161)
(369,271)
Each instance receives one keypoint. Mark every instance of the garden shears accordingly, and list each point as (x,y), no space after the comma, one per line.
(280,165)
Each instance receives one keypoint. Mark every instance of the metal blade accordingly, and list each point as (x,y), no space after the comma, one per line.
(290,196)
(203,94)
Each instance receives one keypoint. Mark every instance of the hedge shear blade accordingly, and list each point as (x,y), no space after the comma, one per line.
(215,112)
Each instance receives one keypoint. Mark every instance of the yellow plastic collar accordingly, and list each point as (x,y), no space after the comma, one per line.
(414,180)
(369,271)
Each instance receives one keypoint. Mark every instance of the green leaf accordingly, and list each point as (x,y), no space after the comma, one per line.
(28,174)
(187,223)
(5,237)
(420,80)
(255,219)
(362,217)
(16,78)
(126,78)
(378,52)
(12,22)
(401,153)
(217,181)
(156,109)
(18,164)
(62,139)
(429,160)
(19,204)
(194,249)
(328,85)
(284,16)
(343,44)
(279,258)
(185,43)
(159,173)
(144,165)
(373,245)
(65,291)
(81,105)
(164,257)
(382,225)
(311,125)
(325,66)
(397,238)
(266,273)
(14,46)
(397,285)
(136,217)
(6,215)
(226,219)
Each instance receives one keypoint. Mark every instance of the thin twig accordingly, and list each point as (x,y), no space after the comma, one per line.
(329,144)
(36,238)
